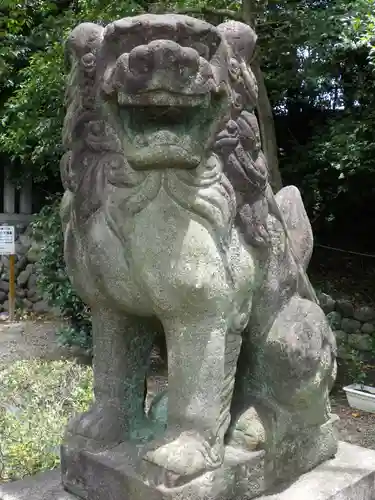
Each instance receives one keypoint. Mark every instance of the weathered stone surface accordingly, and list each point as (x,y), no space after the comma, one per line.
(40,307)
(344,352)
(20,293)
(345,307)
(341,337)
(364,314)
(32,282)
(350,325)
(44,486)
(360,341)
(168,214)
(326,303)
(33,253)
(21,264)
(368,328)
(28,304)
(4,286)
(349,476)
(243,474)
(24,275)
(334,319)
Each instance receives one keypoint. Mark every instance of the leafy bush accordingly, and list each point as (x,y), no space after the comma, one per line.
(37,399)
(53,280)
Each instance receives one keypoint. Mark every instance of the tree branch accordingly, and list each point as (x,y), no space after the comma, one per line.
(231,14)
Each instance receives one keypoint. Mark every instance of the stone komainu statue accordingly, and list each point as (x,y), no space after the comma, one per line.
(170,224)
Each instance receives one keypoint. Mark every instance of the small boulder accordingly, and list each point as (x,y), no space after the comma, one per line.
(344,352)
(4,286)
(24,275)
(334,319)
(33,253)
(368,328)
(41,307)
(341,337)
(326,303)
(32,282)
(364,314)
(350,325)
(27,304)
(345,307)
(360,341)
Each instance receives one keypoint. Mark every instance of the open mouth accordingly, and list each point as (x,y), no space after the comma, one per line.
(164,129)
(142,113)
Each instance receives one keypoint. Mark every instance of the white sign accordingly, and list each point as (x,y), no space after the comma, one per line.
(7,243)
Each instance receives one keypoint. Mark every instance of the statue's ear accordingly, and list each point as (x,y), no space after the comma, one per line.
(240,37)
(83,39)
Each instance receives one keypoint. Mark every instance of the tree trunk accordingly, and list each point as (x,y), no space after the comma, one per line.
(251,11)
(267,129)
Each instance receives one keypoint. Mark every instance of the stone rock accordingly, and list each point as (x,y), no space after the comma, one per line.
(34,295)
(3,296)
(21,264)
(365,314)
(344,352)
(21,250)
(32,282)
(350,325)
(368,328)
(345,307)
(27,304)
(25,240)
(6,306)
(33,253)
(21,293)
(24,275)
(40,307)
(341,336)
(326,303)
(361,341)
(4,286)
(334,319)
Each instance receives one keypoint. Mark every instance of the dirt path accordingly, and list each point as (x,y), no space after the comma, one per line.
(37,339)
(30,339)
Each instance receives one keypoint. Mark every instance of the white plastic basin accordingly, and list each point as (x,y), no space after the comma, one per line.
(361,397)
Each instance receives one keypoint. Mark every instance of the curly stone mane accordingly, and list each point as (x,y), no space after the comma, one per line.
(239,143)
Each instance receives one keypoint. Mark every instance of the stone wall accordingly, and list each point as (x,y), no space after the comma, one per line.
(354,327)
(27,296)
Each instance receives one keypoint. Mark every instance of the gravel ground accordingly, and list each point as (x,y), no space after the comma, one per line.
(37,339)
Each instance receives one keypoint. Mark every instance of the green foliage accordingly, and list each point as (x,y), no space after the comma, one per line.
(54,282)
(36,401)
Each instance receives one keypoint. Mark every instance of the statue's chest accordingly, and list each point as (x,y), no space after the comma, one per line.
(177,258)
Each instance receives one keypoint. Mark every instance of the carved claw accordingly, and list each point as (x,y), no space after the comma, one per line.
(98,424)
(249,432)
(188,455)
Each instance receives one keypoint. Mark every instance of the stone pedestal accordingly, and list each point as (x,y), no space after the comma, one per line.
(119,474)
(349,476)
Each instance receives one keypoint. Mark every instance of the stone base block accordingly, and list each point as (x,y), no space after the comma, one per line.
(349,476)
(120,475)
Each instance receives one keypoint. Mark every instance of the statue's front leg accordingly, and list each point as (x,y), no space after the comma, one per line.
(121,348)
(200,386)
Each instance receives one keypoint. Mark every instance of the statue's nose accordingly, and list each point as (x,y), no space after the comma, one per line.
(164,56)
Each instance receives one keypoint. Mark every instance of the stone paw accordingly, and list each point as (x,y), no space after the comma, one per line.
(248,432)
(98,424)
(187,455)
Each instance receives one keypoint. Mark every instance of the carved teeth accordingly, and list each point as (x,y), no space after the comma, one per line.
(163,99)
